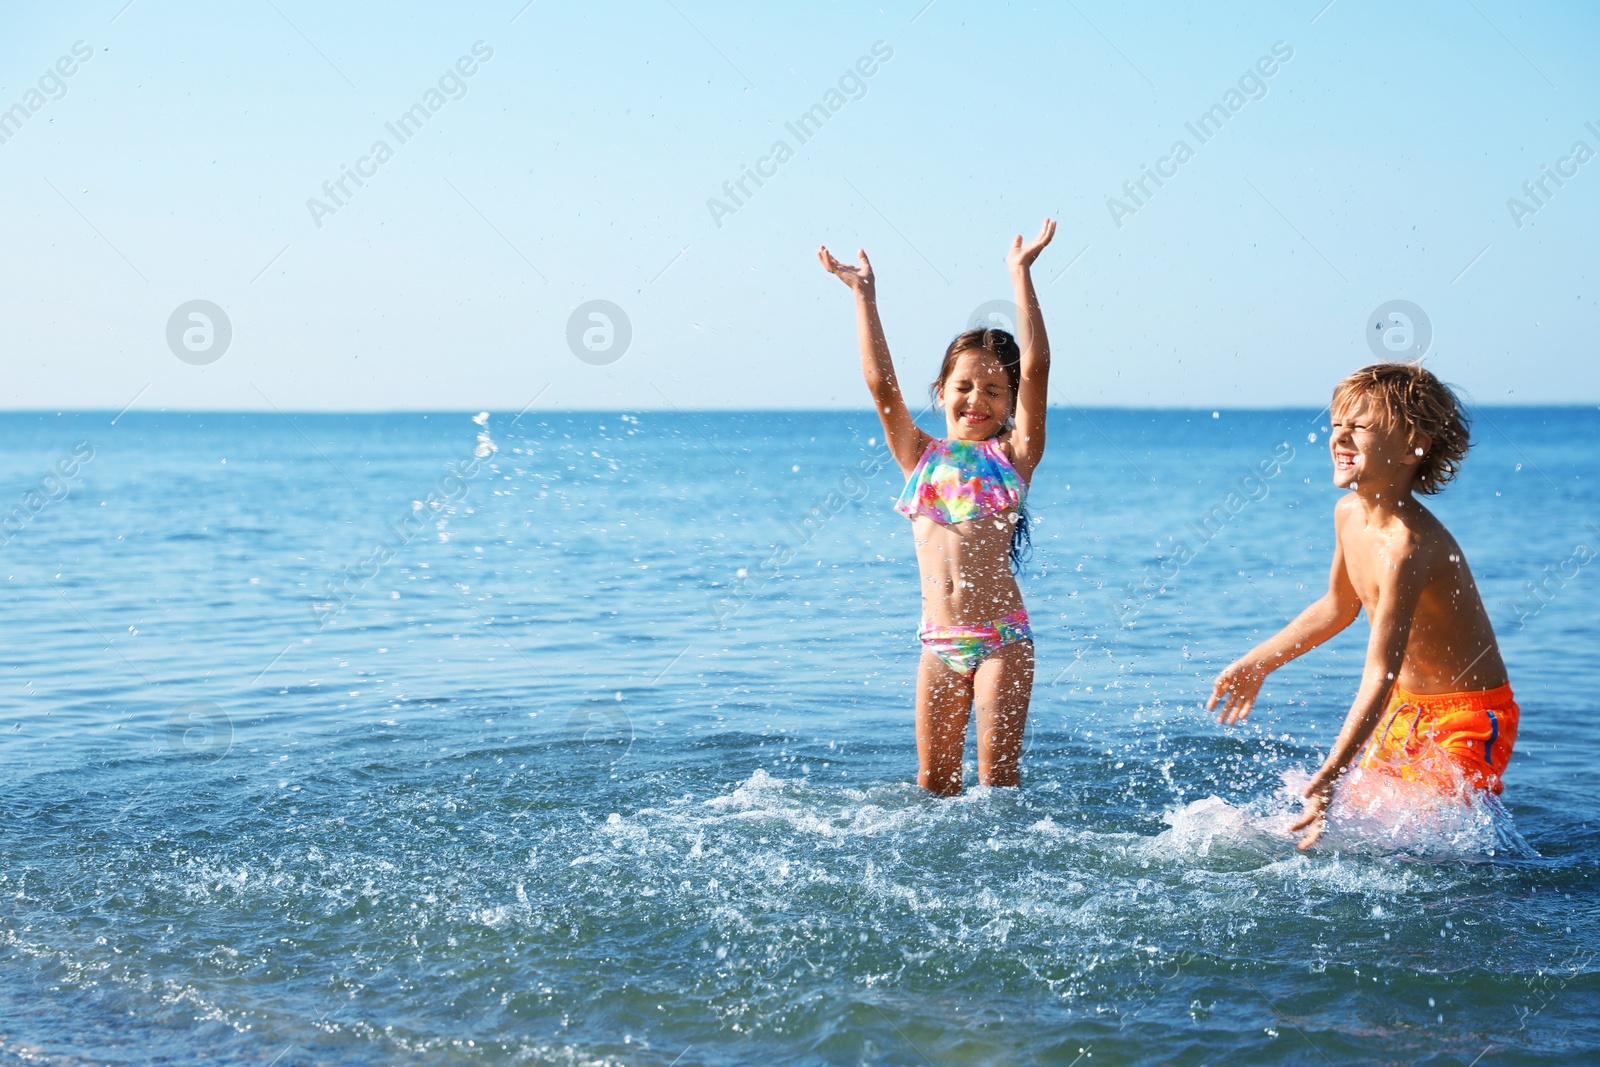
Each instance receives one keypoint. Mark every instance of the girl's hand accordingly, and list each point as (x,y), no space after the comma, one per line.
(1021,256)
(858,278)
(1241,681)
(1319,795)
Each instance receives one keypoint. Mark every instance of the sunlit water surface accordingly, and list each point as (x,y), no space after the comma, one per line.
(317,754)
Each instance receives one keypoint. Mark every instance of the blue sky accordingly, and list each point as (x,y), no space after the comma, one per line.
(576,163)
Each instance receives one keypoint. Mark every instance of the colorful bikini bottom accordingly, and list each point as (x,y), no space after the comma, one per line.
(962,648)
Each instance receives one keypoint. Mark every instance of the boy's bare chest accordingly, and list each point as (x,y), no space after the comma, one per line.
(1370,555)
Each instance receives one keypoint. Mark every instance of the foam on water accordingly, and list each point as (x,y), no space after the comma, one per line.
(1374,814)
(1382,814)
(762,896)
(425,843)
(1198,827)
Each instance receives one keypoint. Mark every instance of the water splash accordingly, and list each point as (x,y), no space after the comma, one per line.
(1376,812)
(485,446)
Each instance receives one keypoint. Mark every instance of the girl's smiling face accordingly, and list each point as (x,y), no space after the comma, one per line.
(1368,448)
(975,395)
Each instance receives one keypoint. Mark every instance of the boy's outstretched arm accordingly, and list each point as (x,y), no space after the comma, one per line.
(1321,620)
(1027,439)
(1399,591)
(906,442)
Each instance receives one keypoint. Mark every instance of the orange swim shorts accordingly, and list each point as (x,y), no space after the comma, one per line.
(1445,739)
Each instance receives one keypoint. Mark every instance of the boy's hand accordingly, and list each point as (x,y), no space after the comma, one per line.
(858,278)
(1021,256)
(1242,682)
(1318,794)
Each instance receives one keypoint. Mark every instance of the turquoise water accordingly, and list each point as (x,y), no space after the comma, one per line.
(325,744)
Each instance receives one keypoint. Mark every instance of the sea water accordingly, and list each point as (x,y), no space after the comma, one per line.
(587,739)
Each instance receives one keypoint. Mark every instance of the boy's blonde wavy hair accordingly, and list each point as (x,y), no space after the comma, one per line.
(1413,399)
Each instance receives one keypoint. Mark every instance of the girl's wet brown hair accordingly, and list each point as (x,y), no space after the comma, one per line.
(1413,399)
(997,343)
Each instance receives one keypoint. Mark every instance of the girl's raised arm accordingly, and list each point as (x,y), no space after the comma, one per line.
(906,442)
(1027,438)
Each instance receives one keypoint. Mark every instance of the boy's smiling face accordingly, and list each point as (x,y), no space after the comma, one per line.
(1369,449)
(976,396)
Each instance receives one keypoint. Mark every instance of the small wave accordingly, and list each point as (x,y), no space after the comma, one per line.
(1213,828)
(1375,812)
(809,809)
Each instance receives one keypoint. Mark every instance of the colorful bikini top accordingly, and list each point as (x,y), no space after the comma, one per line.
(960,480)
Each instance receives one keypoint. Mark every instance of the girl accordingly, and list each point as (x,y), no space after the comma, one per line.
(964,495)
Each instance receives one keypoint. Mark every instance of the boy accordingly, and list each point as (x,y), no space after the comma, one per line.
(1434,705)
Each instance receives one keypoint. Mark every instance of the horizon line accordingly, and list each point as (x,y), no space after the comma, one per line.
(1243,409)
